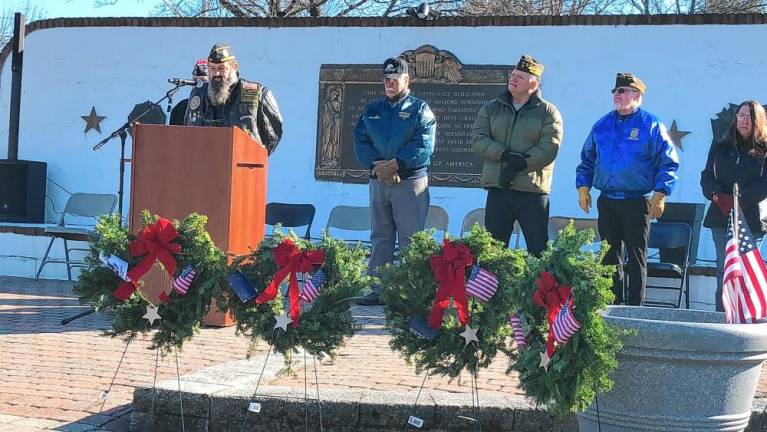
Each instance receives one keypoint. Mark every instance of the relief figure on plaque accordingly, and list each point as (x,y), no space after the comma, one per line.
(447,69)
(331,128)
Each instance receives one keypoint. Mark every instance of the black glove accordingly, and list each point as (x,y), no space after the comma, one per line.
(511,165)
(515,161)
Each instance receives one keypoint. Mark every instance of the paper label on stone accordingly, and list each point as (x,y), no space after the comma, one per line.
(254,407)
(415,422)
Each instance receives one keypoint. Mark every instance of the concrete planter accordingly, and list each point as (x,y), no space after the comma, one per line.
(684,370)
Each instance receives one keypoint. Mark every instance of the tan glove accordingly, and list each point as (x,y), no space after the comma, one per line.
(657,205)
(584,198)
(386,171)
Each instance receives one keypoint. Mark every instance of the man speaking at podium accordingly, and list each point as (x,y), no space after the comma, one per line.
(228,100)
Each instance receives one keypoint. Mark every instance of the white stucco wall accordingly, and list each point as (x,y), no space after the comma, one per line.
(691,73)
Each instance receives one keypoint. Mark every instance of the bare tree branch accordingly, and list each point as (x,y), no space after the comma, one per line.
(30,11)
(386,8)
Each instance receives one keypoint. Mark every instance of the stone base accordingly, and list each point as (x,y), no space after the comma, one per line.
(217,399)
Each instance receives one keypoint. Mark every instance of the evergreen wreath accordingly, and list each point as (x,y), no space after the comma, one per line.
(325,323)
(579,368)
(409,292)
(181,313)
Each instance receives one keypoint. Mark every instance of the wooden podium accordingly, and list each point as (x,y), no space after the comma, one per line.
(218,172)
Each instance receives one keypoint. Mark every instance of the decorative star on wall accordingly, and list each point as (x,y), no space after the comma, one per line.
(92,121)
(676,135)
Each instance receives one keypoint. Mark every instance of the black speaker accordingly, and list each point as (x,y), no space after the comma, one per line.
(22,191)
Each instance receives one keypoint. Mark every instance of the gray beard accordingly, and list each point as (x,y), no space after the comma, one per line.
(218,94)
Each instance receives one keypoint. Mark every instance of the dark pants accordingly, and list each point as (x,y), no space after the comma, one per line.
(505,206)
(626,223)
(396,213)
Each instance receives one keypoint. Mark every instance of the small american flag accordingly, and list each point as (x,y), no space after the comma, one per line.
(312,287)
(519,335)
(482,284)
(182,283)
(745,276)
(565,325)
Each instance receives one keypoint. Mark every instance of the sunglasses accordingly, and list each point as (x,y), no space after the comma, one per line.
(622,90)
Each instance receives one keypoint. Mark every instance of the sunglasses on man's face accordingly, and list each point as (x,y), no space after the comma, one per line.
(622,90)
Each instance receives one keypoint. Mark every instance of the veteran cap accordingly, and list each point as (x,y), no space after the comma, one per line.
(200,68)
(221,53)
(394,67)
(625,79)
(530,65)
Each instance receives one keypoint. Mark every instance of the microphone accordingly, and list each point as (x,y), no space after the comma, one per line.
(185,82)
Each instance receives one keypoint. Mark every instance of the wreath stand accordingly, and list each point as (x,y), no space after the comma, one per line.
(255,407)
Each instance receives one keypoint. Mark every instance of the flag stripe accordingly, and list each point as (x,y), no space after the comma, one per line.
(312,287)
(519,335)
(755,267)
(182,283)
(482,284)
(565,325)
(745,276)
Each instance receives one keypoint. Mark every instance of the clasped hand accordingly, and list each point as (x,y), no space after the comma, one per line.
(386,171)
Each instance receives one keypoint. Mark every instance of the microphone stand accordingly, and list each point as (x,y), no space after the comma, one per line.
(122,133)
(66,321)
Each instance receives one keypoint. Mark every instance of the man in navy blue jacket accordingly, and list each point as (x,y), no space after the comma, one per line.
(627,155)
(394,138)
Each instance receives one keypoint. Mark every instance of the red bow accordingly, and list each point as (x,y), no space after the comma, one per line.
(450,271)
(154,241)
(550,296)
(290,260)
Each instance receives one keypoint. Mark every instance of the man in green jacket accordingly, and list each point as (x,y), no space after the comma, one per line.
(518,135)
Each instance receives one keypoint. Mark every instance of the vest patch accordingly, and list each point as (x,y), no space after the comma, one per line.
(194,103)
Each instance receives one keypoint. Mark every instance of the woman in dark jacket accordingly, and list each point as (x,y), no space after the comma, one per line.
(738,158)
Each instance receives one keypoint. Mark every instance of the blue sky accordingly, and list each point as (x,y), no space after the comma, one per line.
(86,8)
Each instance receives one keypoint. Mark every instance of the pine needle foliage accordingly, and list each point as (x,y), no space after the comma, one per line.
(581,367)
(410,289)
(183,314)
(327,323)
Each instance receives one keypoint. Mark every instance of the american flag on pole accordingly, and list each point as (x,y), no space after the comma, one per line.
(565,325)
(312,287)
(745,276)
(519,334)
(182,283)
(482,284)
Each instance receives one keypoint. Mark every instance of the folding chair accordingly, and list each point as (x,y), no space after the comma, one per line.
(87,205)
(558,223)
(350,218)
(437,218)
(670,235)
(291,216)
(478,216)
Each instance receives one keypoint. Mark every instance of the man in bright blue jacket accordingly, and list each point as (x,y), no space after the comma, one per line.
(394,139)
(627,155)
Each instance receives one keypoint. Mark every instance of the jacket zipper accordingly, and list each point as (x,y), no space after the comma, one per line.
(514,122)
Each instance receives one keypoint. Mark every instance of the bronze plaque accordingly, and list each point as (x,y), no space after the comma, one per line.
(455,92)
